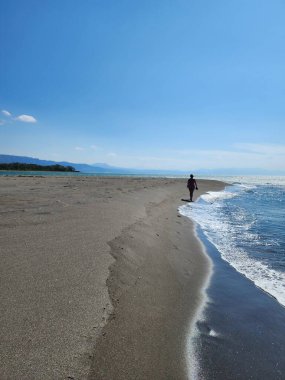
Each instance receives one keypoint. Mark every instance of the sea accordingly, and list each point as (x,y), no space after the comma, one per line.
(240,329)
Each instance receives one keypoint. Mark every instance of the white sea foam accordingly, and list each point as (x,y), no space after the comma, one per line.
(213,196)
(270,280)
(249,180)
(224,236)
(213,333)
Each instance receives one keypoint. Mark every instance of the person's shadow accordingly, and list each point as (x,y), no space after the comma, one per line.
(185,200)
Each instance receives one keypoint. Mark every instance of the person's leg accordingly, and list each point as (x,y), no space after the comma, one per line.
(191,194)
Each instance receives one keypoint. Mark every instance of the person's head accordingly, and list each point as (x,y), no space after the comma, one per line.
(191,176)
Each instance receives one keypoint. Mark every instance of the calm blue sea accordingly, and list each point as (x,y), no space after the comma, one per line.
(245,222)
(240,329)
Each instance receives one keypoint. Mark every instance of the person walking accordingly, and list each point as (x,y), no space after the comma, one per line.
(192,185)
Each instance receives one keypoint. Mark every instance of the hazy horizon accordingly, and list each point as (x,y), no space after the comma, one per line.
(198,171)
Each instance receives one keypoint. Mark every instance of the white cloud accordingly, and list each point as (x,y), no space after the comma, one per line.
(6,113)
(26,118)
(79,148)
(94,147)
(111,154)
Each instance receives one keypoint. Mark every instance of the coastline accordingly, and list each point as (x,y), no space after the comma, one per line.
(240,333)
(64,239)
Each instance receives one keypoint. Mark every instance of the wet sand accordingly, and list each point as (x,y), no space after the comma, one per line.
(100,277)
(242,330)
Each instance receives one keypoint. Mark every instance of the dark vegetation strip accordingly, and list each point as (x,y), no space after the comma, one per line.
(35,167)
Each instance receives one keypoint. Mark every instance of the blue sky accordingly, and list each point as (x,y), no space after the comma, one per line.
(147,84)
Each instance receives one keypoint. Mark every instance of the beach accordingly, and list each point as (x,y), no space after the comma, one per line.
(101,277)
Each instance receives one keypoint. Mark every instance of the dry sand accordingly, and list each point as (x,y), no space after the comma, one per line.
(100,277)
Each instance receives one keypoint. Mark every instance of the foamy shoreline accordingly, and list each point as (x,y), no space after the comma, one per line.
(63,240)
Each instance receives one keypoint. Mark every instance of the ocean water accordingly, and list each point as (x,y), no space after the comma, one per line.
(245,222)
(240,330)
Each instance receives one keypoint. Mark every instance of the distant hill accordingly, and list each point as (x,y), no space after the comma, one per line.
(8,159)
(100,168)
(102,165)
(103,168)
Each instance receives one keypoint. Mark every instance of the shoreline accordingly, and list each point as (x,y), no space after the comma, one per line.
(240,319)
(114,360)
(193,366)
(239,322)
(62,240)
(153,309)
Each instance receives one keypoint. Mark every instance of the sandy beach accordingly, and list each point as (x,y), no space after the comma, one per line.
(100,277)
